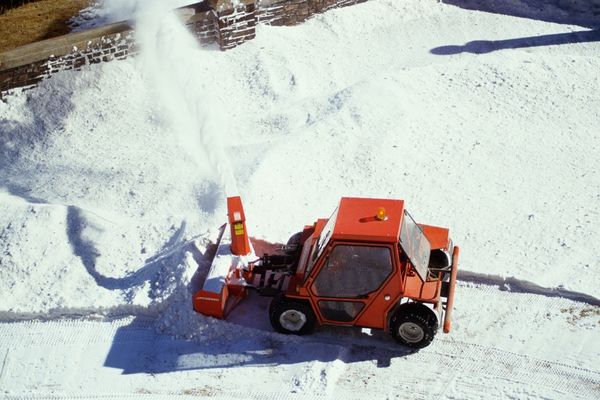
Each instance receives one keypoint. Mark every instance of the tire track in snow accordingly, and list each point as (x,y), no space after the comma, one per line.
(226,396)
(79,332)
(474,366)
(484,362)
(322,377)
(4,363)
(86,313)
(463,364)
(463,369)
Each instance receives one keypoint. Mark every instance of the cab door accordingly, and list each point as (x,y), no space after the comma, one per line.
(349,279)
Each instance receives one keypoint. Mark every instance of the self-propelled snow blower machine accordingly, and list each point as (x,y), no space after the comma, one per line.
(368,265)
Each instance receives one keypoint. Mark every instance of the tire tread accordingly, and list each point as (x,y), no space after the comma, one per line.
(417,313)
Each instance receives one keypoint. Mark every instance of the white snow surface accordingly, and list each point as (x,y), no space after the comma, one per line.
(113,182)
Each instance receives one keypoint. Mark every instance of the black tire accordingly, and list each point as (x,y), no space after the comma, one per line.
(295,239)
(293,246)
(438,259)
(291,316)
(413,325)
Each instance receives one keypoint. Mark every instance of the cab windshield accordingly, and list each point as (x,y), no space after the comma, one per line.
(415,245)
(321,242)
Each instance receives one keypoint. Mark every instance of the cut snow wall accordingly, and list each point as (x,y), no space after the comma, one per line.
(228,23)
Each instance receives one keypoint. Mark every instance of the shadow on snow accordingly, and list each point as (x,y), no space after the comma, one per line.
(487,46)
(141,350)
(570,12)
(247,339)
(86,250)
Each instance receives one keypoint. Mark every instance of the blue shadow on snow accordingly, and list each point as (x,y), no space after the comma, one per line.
(139,349)
(569,12)
(487,46)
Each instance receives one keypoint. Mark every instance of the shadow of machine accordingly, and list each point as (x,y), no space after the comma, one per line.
(247,341)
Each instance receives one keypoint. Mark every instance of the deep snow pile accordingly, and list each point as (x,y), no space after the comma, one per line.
(110,173)
(113,182)
(103,194)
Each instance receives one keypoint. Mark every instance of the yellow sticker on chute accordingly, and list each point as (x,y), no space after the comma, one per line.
(238,228)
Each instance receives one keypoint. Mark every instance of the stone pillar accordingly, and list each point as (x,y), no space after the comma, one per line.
(236,21)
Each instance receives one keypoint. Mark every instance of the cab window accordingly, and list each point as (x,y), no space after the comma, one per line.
(353,271)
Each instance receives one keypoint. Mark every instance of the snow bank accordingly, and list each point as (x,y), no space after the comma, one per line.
(113,182)
(83,171)
(106,170)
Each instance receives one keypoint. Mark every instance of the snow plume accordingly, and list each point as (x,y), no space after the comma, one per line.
(103,12)
(174,64)
(119,10)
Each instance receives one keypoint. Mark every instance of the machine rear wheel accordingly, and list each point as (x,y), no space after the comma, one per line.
(414,325)
(291,316)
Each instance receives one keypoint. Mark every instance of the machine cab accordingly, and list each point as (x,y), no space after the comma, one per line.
(355,266)
(370,265)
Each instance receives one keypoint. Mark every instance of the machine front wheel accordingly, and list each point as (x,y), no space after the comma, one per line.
(414,325)
(291,316)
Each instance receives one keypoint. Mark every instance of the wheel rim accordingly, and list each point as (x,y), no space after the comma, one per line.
(292,320)
(411,332)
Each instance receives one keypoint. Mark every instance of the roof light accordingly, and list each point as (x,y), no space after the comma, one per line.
(381,215)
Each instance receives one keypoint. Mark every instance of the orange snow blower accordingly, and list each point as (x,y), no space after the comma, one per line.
(369,265)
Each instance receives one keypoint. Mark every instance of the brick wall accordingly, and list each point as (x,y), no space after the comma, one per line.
(107,48)
(23,76)
(29,64)
(203,26)
(227,23)
(236,25)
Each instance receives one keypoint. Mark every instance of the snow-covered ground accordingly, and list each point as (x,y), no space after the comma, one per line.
(113,180)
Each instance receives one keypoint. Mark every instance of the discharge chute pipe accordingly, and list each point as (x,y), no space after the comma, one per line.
(240,244)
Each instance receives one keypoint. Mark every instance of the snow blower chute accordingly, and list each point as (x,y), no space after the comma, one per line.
(368,265)
(224,285)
